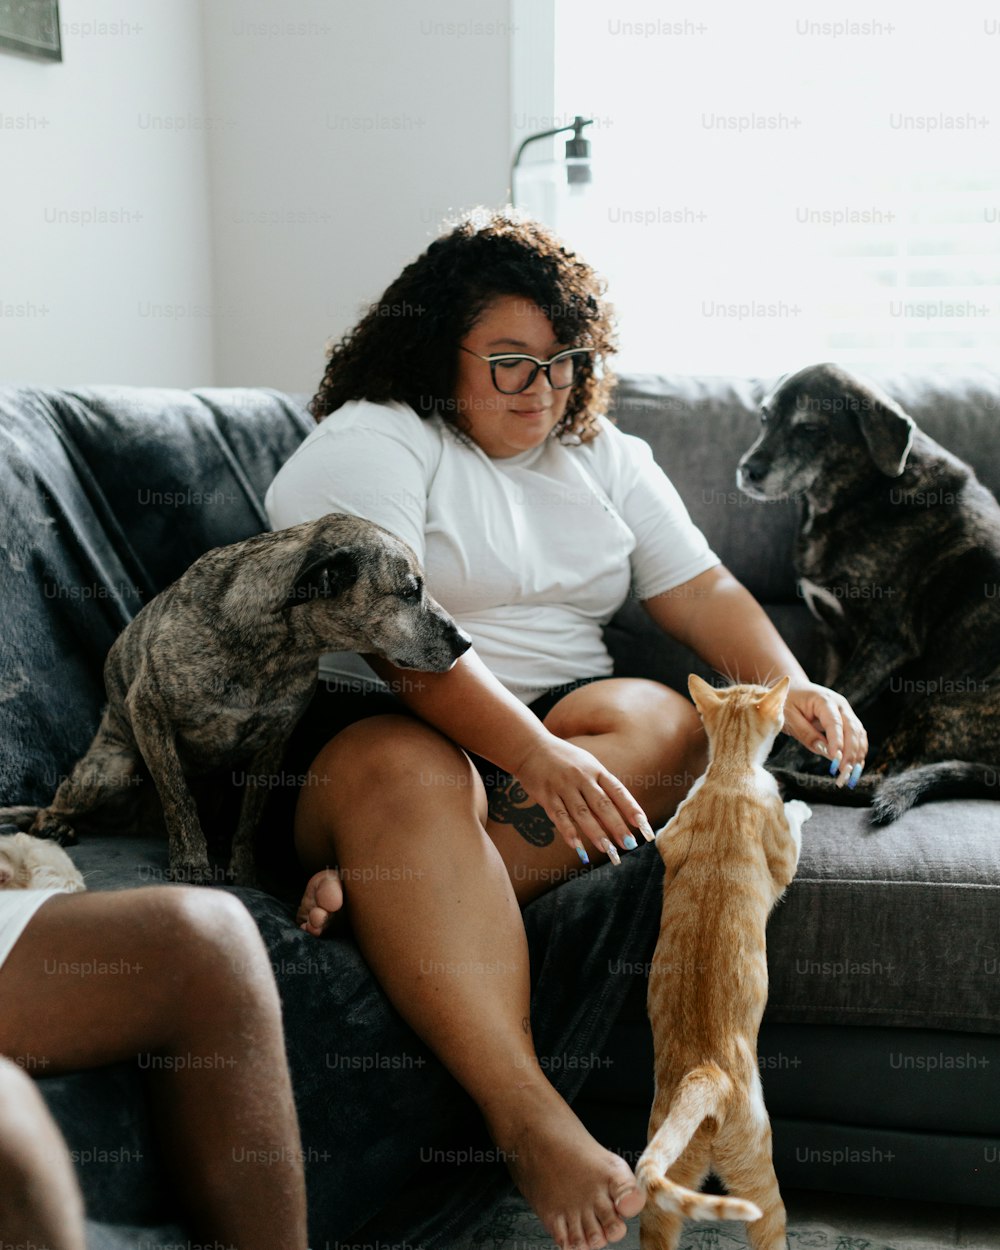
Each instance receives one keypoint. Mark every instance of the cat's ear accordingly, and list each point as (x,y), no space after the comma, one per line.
(705,697)
(773,702)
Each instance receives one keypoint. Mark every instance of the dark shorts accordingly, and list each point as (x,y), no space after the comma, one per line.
(333,708)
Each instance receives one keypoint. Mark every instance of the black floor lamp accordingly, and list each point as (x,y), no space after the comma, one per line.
(577,154)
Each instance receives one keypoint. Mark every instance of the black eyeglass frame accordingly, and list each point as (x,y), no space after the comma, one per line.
(546,365)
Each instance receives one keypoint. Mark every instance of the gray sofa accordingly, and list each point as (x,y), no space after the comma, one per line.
(880,1053)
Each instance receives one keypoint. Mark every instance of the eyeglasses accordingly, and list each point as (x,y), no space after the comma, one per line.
(513,372)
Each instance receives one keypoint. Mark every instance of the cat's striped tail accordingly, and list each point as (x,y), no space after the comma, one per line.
(700,1093)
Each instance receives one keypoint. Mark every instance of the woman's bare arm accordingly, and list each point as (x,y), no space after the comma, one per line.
(719,619)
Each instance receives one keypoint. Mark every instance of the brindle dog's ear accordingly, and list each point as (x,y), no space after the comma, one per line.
(887,429)
(325,577)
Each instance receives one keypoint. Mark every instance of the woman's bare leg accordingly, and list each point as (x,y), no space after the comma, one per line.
(180,978)
(40,1201)
(647,735)
(444,936)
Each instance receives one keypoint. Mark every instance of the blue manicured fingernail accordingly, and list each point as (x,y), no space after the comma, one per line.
(583,855)
(629,842)
(835,767)
(852,781)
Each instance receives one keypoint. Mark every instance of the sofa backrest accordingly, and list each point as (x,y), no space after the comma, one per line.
(109,493)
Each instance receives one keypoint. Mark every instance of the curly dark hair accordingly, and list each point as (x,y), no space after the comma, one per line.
(405,347)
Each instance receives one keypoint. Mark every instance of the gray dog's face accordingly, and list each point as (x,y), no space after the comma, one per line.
(359,588)
(823,428)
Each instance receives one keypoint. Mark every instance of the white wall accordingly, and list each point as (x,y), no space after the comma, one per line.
(358,124)
(313,148)
(105,271)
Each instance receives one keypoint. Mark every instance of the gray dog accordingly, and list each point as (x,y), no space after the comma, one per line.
(219,667)
(898,557)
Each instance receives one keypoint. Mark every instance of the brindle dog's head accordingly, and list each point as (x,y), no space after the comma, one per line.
(357,587)
(824,430)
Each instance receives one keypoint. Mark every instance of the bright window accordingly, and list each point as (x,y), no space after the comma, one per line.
(781,184)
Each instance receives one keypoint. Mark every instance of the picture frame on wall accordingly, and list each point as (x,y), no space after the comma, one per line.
(31,26)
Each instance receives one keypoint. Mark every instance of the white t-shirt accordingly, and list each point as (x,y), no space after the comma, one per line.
(531,554)
(16,910)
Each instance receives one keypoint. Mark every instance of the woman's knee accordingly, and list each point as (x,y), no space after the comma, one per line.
(674,726)
(386,752)
(374,773)
(682,727)
(623,704)
(659,733)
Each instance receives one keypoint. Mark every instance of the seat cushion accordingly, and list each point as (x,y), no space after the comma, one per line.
(895,925)
(885,926)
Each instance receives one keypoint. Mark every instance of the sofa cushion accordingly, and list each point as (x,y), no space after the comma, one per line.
(884,926)
(894,925)
(909,1079)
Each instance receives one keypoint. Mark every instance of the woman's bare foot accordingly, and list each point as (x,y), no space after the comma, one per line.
(322,900)
(581,1192)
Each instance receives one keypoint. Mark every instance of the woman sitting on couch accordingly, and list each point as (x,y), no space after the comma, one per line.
(465,414)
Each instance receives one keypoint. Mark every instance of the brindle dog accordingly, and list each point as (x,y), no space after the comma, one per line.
(898,557)
(218,668)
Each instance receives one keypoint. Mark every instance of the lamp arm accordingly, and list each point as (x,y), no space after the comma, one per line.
(542,134)
(576,125)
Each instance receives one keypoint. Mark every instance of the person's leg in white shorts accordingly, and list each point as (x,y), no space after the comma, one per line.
(175,972)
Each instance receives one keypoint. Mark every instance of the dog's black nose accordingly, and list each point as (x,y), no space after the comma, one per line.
(459,640)
(752,472)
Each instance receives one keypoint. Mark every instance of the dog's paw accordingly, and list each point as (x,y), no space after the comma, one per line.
(54,828)
(18,819)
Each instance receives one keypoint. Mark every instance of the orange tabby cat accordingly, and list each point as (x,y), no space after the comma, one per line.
(729,851)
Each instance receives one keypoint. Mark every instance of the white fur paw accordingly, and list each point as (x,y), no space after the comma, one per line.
(795,809)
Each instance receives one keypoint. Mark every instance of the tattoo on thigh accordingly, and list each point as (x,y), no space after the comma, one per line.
(509,805)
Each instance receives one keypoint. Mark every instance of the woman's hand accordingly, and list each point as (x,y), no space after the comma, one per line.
(823,720)
(581,798)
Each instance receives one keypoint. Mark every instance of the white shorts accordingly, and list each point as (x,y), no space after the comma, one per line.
(16,909)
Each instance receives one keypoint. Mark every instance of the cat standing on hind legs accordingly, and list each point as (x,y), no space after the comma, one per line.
(729,851)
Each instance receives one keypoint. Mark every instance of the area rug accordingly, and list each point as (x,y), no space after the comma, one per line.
(516,1227)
